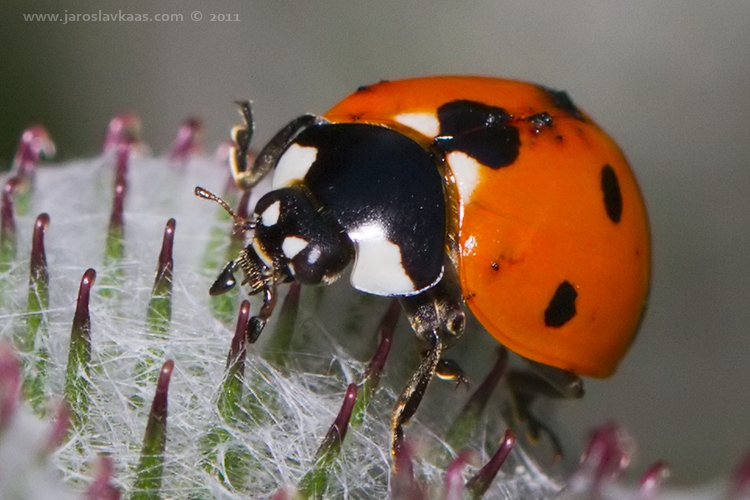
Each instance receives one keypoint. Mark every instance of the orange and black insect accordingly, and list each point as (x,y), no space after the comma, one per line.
(449,191)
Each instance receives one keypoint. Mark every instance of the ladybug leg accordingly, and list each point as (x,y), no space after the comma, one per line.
(258,322)
(437,318)
(562,384)
(526,386)
(241,136)
(437,310)
(247,175)
(409,400)
(447,369)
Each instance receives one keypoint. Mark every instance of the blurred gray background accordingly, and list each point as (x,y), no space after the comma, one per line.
(670,80)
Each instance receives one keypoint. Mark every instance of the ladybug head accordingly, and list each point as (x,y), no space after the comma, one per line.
(291,240)
(292,237)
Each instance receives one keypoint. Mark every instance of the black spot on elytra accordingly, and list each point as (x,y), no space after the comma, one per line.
(562,101)
(540,121)
(363,88)
(562,307)
(481,131)
(612,194)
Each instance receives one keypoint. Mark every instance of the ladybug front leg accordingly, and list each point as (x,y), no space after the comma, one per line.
(258,322)
(241,137)
(246,175)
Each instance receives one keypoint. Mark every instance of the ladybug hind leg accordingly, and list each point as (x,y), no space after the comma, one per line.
(525,386)
(438,319)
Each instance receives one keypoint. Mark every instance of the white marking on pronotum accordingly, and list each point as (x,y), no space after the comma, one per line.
(378,268)
(466,172)
(293,245)
(425,123)
(293,165)
(270,215)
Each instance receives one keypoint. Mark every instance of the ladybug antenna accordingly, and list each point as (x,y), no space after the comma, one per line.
(238,221)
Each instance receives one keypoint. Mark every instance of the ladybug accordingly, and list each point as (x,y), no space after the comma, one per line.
(452,191)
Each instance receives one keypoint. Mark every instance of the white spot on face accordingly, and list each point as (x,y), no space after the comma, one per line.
(466,172)
(378,268)
(270,215)
(425,123)
(292,245)
(293,165)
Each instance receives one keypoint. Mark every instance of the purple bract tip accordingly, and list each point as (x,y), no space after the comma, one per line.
(238,230)
(101,487)
(453,484)
(481,396)
(243,205)
(60,426)
(38,261)
(123,161)
(292,296)
(84,291)
(481,481)
(387,328)
(403,485)
(10,384)
(740,487)
(159,404)
(116,219)
(123,130)
(238,348)
(607,455)
(7,210)
(341,424)
(282,494)
(186,141)
(652,480)
(34,145)
(223,152)
(166,262)
(81,318)
(608,451)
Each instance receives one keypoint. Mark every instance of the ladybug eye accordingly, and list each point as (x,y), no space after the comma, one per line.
(456,325)
(224,282)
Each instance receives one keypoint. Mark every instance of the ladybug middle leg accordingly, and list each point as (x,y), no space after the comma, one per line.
(409,400)
(437,317)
